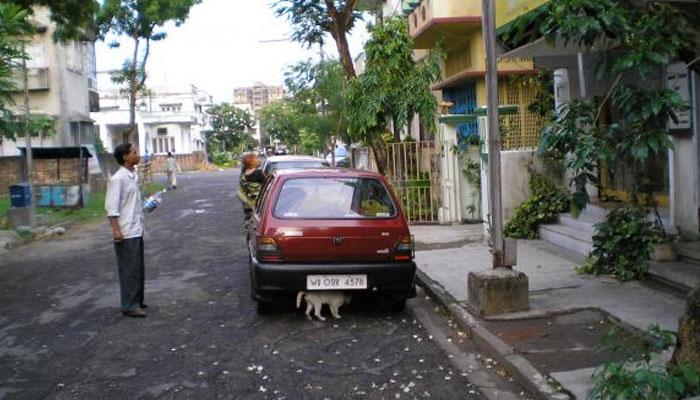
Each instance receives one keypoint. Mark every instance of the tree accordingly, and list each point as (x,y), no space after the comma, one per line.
(230,127)
(280,120)
(73,18)
(318,93)
(393,87)
(13,26)
(312,19)
(141,21)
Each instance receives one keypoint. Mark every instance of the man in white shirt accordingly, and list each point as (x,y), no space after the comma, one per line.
(125,213)
(171,169)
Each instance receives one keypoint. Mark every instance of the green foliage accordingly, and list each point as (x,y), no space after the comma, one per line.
(72,17)
(315,111)
(636,40)
(312,20)
(639,377)
(622,244)
(140,21)
(280,120)
(572,137)
(545,204)
(231,128)
(13,24)
(472,173)
(223,159)
(393,86)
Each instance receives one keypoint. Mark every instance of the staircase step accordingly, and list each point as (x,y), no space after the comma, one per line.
(583,222)
(689,251)
(680,275)
(595,211)
(578,241)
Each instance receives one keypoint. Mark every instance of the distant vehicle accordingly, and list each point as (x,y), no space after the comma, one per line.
(329,229)
(274,163)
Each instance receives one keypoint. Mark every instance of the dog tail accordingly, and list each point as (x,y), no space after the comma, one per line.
(300,295)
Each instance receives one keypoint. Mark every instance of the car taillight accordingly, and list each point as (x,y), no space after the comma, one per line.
(268,251)
(404,249)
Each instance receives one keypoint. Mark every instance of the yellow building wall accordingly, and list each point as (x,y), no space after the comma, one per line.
(508,10)
(452,8)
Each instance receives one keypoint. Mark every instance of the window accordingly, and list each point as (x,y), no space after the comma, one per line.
(334,198)
(162,131)
(74,56)
(163,145)
(273,166)
(171,107)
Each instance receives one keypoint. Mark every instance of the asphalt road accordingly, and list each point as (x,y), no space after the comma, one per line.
(62,336)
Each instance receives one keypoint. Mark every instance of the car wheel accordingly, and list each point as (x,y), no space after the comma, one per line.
(264,308)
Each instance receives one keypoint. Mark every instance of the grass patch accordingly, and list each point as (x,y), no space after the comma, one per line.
(4,207)
(94,210)
(151,188)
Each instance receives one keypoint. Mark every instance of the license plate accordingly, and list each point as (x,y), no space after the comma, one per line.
(324,282)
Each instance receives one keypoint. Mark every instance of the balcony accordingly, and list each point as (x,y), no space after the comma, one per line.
(451,21)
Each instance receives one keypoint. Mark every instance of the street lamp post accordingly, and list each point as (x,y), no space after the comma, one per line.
(494,135)
(500,289)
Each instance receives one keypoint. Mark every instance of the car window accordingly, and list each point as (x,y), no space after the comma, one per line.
(264,192)
(295,165)
(334,198)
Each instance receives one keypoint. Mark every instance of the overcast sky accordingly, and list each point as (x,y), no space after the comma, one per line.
(219,47)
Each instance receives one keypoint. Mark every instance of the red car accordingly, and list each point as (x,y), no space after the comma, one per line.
(329,229)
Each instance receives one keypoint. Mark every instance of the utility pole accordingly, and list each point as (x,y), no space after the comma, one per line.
(500,289)
(494,139)
(28,139)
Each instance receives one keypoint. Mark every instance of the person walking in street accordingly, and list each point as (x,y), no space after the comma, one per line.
(251,180)
(171,170)
(125,213)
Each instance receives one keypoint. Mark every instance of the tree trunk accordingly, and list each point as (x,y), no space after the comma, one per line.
(132,87)
(379,157)
(341,21)
(341,42)
(688,344)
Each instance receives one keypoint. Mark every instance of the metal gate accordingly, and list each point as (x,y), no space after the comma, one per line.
(413,170)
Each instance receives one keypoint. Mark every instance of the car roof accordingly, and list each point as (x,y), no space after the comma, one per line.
(327,172)
(293,158)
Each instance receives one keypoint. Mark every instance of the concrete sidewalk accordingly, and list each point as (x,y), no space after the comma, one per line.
(446,254)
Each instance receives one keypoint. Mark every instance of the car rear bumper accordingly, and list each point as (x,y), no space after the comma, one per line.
(270,280)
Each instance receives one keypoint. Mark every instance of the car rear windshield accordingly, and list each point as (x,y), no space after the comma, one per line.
(297,165)
(334,198)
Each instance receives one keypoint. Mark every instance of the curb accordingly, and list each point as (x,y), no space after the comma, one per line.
(525,374)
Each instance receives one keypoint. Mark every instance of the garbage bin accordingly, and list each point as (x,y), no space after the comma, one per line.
(20,195)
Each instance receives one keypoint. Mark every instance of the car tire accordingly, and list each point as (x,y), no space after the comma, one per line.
(264,308)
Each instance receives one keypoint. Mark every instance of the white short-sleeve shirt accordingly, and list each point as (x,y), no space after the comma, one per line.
(123,200)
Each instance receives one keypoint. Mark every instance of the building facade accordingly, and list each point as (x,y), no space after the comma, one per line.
(167,120)
(677,186)
(257,96)
(62,83)
(456,26)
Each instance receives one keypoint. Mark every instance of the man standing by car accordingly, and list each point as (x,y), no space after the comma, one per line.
(125,213)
